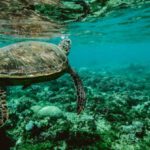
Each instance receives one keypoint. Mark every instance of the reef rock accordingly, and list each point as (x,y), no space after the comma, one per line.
(35,108)
(50,111)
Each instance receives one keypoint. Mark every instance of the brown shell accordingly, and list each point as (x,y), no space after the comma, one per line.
(31,59)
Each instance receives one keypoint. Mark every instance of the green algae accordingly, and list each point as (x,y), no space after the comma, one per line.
(38,146)
(116,115)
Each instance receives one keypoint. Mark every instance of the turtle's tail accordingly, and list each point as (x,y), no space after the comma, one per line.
(3,107)
(81,98)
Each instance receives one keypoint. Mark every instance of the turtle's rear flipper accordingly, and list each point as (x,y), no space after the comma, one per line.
(3,107)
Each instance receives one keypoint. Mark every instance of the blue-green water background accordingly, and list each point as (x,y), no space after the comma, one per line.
(121,38)
(118,39)
(117,104)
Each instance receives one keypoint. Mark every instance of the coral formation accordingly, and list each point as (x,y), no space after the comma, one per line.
(116,116)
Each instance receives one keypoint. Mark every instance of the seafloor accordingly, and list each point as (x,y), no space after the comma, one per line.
(116,117)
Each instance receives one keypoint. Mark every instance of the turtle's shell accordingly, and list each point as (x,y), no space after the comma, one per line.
(31,61)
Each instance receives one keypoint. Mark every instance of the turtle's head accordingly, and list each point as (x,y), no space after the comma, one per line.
(65,45)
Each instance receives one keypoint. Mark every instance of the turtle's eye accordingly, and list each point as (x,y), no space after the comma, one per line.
(66,47)
(68,41)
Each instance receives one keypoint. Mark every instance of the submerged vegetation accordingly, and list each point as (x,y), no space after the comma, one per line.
(117,113)
(116,116)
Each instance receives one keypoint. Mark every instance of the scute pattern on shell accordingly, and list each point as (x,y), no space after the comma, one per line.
(31,58)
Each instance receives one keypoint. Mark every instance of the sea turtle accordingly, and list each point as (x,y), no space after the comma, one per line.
(29,62)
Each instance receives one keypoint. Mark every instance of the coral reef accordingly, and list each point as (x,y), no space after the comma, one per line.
(116,115)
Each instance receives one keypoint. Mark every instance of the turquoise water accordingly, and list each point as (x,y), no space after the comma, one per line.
(121,38)
(111,54)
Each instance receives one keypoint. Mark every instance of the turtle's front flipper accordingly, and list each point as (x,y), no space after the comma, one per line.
(80,90)
(3,107)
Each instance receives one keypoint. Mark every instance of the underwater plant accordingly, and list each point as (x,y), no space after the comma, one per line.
(110,53)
